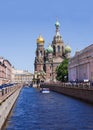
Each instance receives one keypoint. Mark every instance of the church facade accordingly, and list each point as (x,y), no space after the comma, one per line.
(47,60)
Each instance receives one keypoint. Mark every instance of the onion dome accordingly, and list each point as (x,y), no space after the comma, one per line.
(40,40)
(67,49)
(49,49)
(57,24)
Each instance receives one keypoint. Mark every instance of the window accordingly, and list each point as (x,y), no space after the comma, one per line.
(62,49)
(58,49)
(54,50)
(40,53)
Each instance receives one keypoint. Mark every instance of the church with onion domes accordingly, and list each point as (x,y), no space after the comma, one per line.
(47,60)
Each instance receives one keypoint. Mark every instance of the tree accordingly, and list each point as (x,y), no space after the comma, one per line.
(62,71)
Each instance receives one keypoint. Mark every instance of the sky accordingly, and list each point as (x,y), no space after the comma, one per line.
(22,21)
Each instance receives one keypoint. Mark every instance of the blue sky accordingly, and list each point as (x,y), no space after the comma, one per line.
(21,22)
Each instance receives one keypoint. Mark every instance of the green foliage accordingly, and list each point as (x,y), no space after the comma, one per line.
(62,71)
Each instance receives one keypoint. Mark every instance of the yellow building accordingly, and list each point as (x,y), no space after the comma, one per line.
(21,76)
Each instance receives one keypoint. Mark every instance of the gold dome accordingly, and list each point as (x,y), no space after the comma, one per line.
(40,39)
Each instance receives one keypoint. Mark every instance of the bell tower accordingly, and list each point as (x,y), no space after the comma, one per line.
(39,59)
(57,43)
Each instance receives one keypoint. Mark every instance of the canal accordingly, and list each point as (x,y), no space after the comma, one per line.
(36,111)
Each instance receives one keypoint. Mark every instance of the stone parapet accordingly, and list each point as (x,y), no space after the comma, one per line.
(8,97)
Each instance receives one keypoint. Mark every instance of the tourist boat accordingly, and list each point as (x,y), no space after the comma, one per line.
(44,90)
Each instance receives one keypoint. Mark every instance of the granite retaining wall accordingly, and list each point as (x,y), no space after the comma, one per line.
(8,97)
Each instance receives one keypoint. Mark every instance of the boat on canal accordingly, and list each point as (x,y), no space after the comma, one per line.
(44,90)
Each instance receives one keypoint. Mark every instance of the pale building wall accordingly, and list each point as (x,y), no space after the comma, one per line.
(21,76)
(81,65)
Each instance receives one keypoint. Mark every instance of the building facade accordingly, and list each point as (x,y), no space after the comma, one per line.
(5,71)
(81,65)
(21,76)
(47,60)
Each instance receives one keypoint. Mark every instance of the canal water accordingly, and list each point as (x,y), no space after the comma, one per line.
(36,111)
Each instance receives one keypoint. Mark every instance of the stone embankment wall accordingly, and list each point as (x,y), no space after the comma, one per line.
(8,97)
(80,91)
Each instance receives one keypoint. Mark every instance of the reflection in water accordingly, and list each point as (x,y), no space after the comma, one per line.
(53,111)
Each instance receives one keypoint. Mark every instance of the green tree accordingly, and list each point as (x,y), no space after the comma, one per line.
(62,71)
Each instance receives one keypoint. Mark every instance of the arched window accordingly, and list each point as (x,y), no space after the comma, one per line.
(62,49)
(58,49)
(37,53)
(54,50)
(40,53)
